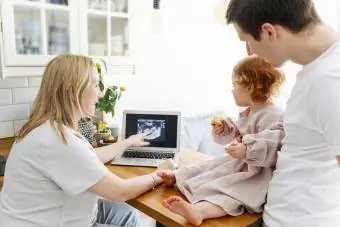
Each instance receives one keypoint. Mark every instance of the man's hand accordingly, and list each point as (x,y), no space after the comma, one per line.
(236,150)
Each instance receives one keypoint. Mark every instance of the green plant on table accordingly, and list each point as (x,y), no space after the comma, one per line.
(111,94)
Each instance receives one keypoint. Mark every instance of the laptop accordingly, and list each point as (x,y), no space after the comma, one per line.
(163,128)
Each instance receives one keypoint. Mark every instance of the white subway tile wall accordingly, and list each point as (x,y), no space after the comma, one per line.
(16,98)
(6,129)
(5,97)
(14,82)
(24,95)
(34,81)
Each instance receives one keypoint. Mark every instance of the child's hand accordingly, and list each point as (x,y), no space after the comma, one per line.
(217,126)
(220,126)
(236,150)
(168,176)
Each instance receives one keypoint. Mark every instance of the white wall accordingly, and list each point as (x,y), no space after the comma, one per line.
(16,97)
(188,66)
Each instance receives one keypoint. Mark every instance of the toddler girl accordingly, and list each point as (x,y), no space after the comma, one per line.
(238,181)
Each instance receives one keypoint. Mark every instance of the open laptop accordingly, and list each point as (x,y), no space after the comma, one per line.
(164,137)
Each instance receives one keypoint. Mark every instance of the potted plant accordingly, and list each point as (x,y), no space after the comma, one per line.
(106,105)
(111,94)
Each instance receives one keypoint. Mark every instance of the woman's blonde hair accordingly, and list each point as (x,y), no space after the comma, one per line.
(65,79)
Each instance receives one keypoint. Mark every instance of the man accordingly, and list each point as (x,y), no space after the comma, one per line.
(305,188)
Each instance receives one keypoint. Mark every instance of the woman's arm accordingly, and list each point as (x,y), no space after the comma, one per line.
(107,153)
(115,188)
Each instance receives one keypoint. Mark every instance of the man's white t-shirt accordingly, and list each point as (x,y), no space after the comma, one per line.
(305,188)
(46,181)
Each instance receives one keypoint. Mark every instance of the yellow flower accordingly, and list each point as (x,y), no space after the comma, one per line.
(122,89)
(102,127)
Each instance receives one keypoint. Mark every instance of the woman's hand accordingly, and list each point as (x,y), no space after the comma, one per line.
(137,140)
(236,150)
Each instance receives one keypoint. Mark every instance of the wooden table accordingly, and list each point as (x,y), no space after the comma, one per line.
(150,203)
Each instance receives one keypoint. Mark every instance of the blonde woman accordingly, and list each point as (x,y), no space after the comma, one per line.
(53,176)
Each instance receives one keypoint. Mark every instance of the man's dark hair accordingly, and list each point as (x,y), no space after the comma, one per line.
(250,15)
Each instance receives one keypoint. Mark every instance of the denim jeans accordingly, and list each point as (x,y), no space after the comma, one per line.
(264,225)
(114,214)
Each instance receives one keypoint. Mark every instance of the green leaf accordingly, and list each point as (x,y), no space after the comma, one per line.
(101,85)
(104,63)
(111,91)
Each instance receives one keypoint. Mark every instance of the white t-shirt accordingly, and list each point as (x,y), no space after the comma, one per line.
(46,181)
(305,188)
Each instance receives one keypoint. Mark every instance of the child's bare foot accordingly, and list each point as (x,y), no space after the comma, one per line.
(168,176)
(180,206)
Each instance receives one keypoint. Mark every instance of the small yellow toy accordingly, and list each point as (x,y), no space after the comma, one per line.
(102,127)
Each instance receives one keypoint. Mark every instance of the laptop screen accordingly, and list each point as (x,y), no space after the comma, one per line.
(161,129)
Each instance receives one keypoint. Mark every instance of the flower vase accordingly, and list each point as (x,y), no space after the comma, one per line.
(99,116)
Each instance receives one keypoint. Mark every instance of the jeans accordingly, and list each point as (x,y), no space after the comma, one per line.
(114,214)
(264,224)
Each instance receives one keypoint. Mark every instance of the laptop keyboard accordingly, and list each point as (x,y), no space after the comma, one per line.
(147,154)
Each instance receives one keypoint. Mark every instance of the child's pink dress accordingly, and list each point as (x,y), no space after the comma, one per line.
(235,184)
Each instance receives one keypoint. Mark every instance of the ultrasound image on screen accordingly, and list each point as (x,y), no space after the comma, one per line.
(162,128)
(155,129)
